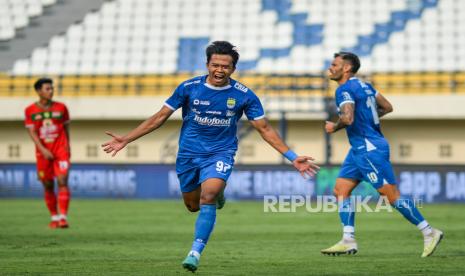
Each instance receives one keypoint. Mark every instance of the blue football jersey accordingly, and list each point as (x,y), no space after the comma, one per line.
(364,133)
(210,115)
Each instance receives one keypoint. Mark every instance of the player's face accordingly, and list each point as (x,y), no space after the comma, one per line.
(46,91)
(220,68)
(336,70)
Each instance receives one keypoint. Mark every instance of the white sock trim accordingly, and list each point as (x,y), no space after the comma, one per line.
(194,253)
(55,217)
(63,217)
(422,225)
(348,229)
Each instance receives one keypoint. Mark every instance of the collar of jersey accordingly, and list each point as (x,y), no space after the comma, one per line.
(217,88)
(44,107)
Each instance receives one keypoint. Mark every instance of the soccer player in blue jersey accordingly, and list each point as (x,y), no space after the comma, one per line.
(360,107)
(211,107)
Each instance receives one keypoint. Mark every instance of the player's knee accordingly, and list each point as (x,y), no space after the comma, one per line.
(62,181)
(340,193)
(48,185)
(192,207)
(391,199)
(49,188)
(62,184)
(208,198)
(390,193)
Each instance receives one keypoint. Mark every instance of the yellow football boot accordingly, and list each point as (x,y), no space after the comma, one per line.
(342,247)
(431,242)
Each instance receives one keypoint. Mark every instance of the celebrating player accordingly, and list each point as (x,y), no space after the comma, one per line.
(211,107)
(47,124)
(360,107)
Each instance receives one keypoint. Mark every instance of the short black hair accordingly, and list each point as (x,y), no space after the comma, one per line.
(222,48)
(38,84)
(351,58)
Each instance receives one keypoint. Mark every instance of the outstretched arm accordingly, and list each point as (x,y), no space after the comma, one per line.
(149,125)
(346,118)
(303,164)
(384,106)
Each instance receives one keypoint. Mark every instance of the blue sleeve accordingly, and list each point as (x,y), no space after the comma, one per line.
(177,99)
(254,109)
(344,95)
(372,89)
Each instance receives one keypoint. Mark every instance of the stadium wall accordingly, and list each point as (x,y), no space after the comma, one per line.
(412,142)
(147,181)
(423,129)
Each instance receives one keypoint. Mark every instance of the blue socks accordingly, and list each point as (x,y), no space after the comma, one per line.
(347,216)
(203,227)
(406,206)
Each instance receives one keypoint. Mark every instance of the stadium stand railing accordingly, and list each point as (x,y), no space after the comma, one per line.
(153,85)
(269,85)
(428,82)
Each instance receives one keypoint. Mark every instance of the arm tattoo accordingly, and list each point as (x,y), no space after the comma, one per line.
(381,112)
(346,115)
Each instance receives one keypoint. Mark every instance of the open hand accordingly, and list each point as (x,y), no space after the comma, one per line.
(306,166)
(115,145)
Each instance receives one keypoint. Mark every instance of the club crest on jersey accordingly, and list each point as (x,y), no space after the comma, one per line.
(47,122)
(231,103)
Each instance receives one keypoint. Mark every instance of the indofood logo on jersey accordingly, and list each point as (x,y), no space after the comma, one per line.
(231,102)
(206,121)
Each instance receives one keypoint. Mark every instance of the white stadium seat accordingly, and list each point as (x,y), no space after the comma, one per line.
(144,36)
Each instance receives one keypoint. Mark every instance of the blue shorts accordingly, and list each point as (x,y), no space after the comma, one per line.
(192,172)
(374,167)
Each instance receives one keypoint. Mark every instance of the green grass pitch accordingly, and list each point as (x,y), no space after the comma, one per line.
(126,237)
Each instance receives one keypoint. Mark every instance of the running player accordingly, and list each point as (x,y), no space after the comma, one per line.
(360,107)
(211,107)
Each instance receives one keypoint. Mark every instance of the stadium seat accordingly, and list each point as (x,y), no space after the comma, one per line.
(274,37)
(21,67)
(34,8)
(16,14)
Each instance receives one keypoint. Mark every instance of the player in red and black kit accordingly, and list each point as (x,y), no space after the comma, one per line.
(47,124)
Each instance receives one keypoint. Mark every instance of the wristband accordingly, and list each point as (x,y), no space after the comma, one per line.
(290,155)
